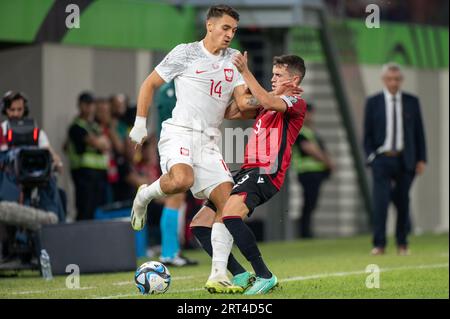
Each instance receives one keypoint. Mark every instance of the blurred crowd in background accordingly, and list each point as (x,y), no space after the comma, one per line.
(106,168)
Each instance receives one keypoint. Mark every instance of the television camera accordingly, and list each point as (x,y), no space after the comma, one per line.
(30,167)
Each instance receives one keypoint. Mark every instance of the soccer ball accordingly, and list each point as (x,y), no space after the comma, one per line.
(152,277)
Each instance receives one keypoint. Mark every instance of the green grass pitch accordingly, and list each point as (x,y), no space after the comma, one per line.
(318,269)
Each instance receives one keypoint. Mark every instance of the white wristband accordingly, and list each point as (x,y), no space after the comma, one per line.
(140,121)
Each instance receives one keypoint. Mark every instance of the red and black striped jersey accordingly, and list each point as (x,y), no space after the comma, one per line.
(270,144)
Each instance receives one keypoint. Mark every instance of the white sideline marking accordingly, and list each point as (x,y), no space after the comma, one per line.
(299,278)
(120,283)
(138,294)
(48,290)
(359,272)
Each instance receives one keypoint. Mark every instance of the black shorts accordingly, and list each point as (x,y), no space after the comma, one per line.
(255,187)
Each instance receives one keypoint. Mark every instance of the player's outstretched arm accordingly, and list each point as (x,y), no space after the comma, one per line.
(145,98)
(266,99)
(248,104)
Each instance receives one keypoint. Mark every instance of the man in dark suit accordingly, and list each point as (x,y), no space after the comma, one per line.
(394,142)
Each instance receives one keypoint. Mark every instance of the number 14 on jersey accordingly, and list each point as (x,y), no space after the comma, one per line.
(215,88)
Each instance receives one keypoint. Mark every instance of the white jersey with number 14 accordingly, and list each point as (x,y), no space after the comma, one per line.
(204,84)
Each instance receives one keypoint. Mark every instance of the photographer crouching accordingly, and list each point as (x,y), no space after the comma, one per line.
(29,195)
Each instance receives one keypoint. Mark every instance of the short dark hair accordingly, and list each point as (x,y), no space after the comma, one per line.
(294,63)
(219,10)
(86,97)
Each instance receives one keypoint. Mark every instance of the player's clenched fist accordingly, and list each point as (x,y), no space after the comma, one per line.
(139,131)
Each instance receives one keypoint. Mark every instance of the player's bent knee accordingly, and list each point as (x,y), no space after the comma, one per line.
(183,184)
(182,180)
(235,206)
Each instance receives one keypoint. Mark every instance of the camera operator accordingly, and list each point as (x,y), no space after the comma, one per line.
(15,107)
(26,179)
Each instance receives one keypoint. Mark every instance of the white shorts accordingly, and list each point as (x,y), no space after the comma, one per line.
(181,145)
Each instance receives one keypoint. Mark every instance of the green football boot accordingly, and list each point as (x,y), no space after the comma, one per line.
(262,286)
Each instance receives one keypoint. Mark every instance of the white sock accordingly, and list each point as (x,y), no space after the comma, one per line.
(222,242)
(150,192)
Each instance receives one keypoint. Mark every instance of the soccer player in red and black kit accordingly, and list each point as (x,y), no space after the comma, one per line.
(279,118)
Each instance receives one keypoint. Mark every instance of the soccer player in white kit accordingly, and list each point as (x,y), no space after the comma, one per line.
(205,83)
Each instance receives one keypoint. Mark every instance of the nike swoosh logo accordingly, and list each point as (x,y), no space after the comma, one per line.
(198,72)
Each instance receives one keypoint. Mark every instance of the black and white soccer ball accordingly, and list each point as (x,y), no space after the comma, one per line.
(152,277)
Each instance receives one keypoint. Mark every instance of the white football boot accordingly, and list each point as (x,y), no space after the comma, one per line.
(139,211)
